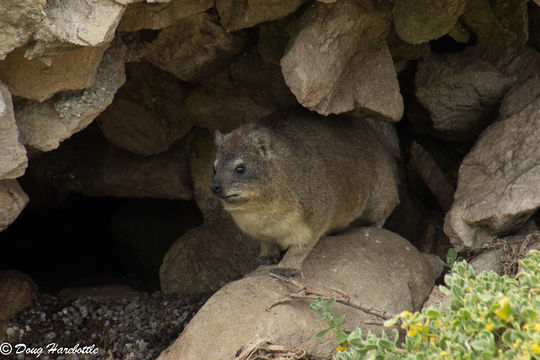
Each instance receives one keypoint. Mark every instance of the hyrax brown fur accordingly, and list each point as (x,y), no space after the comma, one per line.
(295,176)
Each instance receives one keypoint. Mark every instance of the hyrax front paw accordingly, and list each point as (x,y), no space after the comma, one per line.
(269,260)
(287,272)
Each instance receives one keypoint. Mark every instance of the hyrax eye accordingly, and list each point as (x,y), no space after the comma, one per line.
(240,169)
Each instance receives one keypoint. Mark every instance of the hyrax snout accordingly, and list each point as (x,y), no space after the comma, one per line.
(295,176)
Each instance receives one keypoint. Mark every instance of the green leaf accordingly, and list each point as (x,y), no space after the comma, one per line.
(330,303)
(433,313)
(339,319)
(391,322)
(322,333)
(451,256)
(340,338)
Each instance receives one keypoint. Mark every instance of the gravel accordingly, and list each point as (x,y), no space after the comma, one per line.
(137,328)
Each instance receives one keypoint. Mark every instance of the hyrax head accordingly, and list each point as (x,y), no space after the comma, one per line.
(244,166)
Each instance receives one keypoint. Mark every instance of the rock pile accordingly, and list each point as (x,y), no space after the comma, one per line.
(150,80)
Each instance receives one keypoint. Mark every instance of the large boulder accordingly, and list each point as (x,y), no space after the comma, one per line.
(500,24)
(221,103)
(44,125)
(236,15)
(18,22)
(12,201)
(32,79)
(417,22)
(69,24)
(13,160)
(194,48)
(460,103)
(144,117)
(338,60)
(498,180)
(373,266)
(17,292)
(206,258)
(157,16)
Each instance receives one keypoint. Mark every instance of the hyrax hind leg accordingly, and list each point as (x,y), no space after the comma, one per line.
(270,253)
(291,264)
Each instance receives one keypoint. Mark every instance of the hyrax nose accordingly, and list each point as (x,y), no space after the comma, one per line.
(216,188)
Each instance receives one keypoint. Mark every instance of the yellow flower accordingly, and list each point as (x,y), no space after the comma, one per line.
(343,346)
(526,326)
(489,327)
(537,326)
(535,349)
(444,353)
(406,314)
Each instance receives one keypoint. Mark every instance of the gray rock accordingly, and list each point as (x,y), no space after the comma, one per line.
(44,125)
(432,175)
(194,48)
(19,21)
(521,95)
(207,257)
(17,291)
(437,299)
(487,261)
(144,117)
(417,22)
(338,62)
(262,80)
(69,24)
(498,181)
(157,16)
(222,104)
(12,201)
(13,160)
(237,15)
(500,24)
(460,92)
(378,268)
(32,79)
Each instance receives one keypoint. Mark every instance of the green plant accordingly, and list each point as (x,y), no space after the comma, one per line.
(451,258)
(490,317)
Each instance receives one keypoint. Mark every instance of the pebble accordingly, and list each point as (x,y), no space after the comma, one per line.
(137,329)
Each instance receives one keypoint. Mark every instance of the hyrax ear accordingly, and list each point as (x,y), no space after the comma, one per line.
(263,144)
(218,138)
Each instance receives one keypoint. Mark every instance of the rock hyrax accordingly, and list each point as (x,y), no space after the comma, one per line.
(295,176)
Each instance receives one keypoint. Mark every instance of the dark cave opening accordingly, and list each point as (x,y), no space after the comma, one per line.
(78,240)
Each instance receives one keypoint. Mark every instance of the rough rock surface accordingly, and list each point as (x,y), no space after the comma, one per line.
(338,61)
(521,95)
(157,16)
(206,258)
(72,23)
(44,125)
(19,20)
(498,180)
(500,23)
(12,201)
(236,15)
(460,92)
(194,48)
(13,160)
(88,164)
(222,104)
(144,117)
(32,79)
(375,266)
(417,22)
(17,291)
(487,261)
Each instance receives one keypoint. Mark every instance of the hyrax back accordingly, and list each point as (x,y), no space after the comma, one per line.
(294,176)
